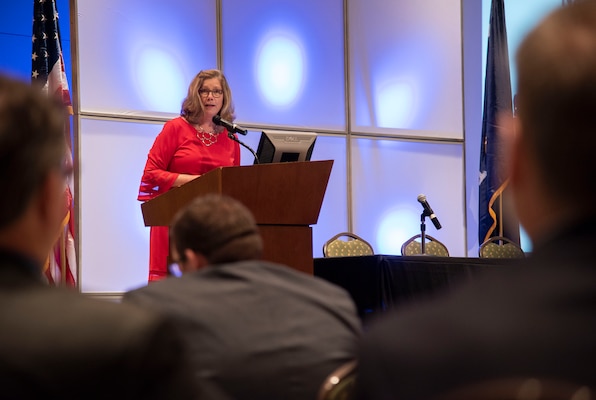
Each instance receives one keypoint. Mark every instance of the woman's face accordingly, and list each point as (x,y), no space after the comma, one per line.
(211,94)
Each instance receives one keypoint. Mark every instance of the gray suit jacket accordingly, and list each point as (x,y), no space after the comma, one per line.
(535,320)
(258,330)
(58,344)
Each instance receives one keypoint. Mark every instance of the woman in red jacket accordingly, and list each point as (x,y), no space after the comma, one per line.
(187,147)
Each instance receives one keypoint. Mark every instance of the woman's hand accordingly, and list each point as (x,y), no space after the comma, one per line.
(184,178)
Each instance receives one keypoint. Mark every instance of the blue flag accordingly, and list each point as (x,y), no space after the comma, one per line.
(495,217)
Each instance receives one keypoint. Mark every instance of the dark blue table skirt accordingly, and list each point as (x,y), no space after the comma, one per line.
(381,282)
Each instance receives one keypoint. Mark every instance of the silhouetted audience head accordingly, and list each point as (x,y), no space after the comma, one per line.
(33,168)
(54,342)
(214,229)
(535,318)
(552,159)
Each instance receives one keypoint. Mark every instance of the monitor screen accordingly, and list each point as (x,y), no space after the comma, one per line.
(285,146)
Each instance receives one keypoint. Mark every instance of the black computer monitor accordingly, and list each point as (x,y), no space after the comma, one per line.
(285,146)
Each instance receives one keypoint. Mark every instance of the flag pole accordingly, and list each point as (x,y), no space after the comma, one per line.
(501,214)
(63,255)
(65,230)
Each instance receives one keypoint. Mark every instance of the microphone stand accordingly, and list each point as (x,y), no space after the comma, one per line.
(423,232)
(231,136)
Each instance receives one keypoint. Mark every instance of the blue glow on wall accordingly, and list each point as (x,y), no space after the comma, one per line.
(143,62)
(397,225)
(403,71)
(285,62)
(281,69)
(396,102)
(159,79)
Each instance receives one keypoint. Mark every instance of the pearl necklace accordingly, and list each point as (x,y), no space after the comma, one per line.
(206,137)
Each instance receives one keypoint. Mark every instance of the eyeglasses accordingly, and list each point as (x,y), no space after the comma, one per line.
(215,93)
(174,270)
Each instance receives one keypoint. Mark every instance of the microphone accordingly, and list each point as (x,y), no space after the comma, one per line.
(235,139)
(228,125)
(429,211)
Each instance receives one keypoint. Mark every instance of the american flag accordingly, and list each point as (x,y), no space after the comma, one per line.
(47,71)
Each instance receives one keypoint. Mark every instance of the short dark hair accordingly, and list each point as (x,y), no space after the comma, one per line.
(557,100)
(219,227)
(32,142)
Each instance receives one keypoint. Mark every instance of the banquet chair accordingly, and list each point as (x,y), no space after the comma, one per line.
(339,385)
(354,245)
(500,247)
(520,389)
(432,247)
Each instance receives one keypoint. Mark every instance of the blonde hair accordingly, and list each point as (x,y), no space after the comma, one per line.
(192,106)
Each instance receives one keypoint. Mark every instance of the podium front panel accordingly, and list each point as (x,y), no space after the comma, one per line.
(288,245)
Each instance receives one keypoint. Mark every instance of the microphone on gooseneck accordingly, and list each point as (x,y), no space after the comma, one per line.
(429,211)
(235,139)
(217,120)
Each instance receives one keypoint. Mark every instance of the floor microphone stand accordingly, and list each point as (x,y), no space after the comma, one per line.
(423,231)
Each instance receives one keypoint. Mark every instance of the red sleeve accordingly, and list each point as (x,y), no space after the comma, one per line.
(156,177)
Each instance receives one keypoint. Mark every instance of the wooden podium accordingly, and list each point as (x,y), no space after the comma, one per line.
(285,199)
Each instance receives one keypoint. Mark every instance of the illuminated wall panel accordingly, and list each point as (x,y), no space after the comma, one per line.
(334,212)
(285,61)
(137,58)
(406,68)
(388,176)
(114,239)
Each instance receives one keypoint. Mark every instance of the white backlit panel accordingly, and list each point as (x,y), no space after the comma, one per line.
(114,239)
(284,61)
(388,176)
(138,57)
(333,217)
(406,68)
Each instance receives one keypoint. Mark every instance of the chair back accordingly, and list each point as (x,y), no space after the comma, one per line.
(500,247)
(339,385)
(353,245)
(432,247)
(520,389)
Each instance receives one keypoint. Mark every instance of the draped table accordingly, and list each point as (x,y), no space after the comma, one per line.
(380,282)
